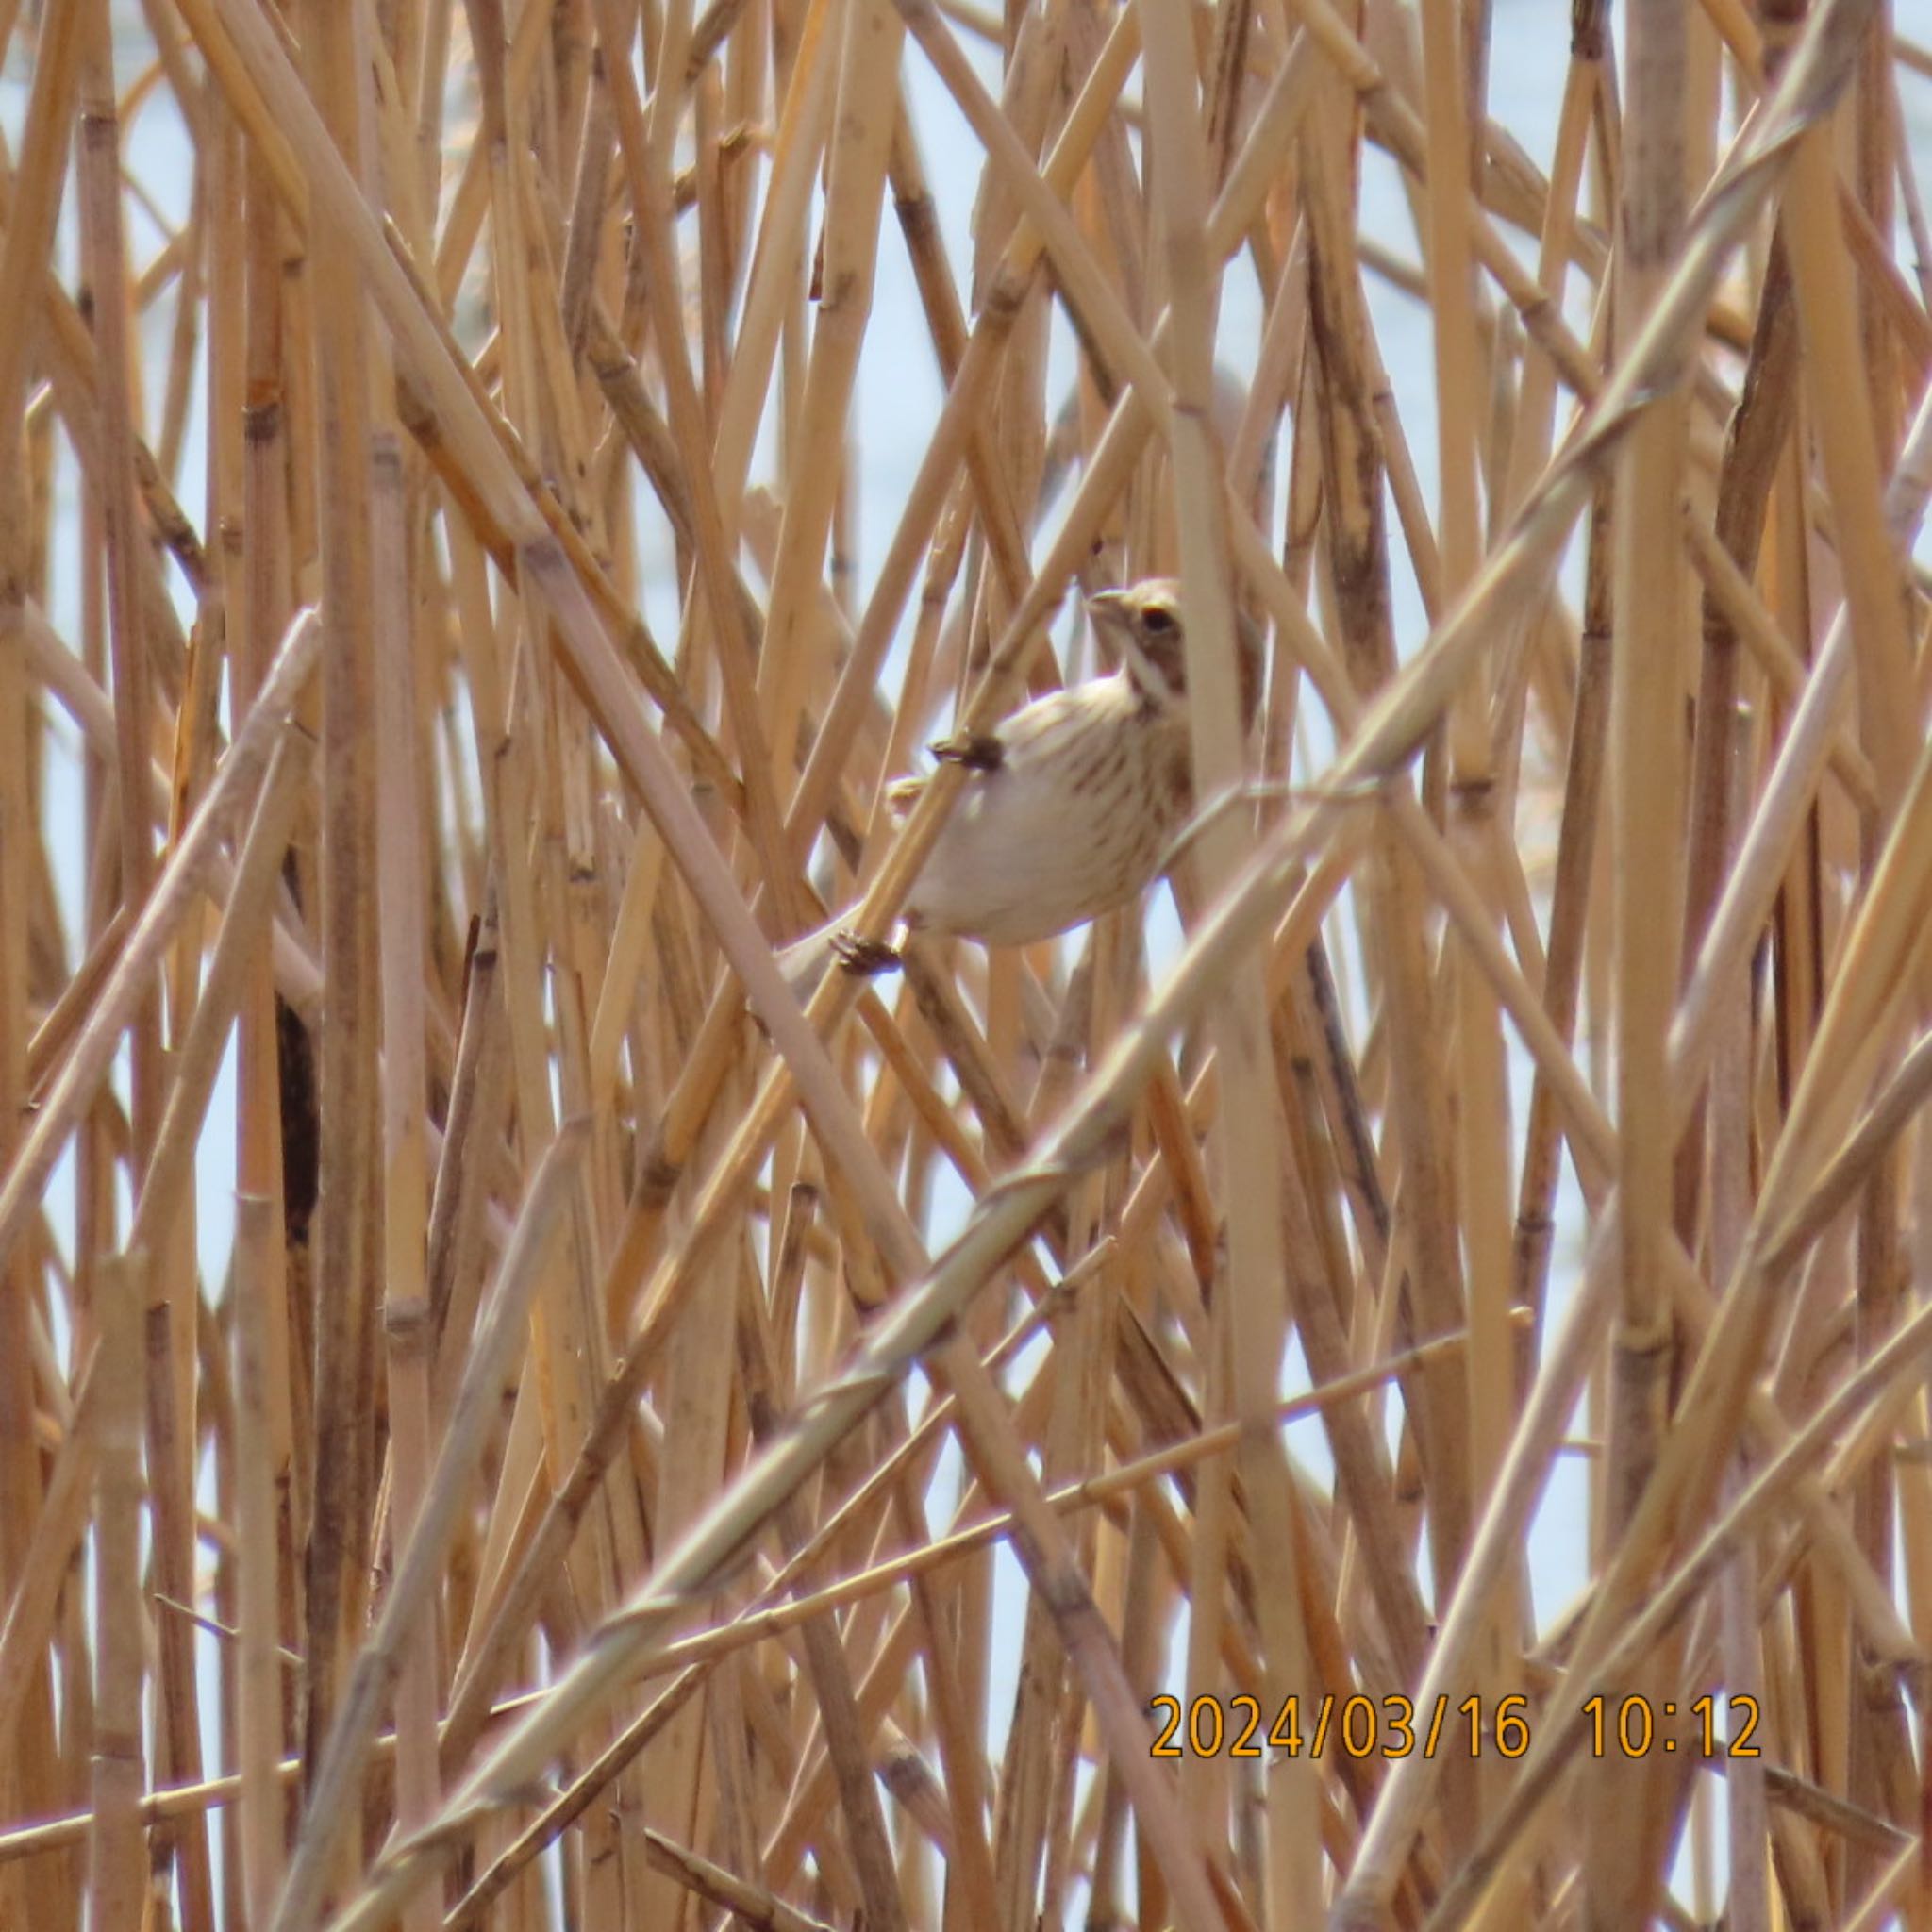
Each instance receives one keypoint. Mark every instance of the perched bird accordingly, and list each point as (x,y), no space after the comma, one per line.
(1071,806)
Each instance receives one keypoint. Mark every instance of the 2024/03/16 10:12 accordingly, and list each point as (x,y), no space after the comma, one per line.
(1362,1726)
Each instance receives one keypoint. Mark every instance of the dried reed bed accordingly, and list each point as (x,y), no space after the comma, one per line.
(631,1464)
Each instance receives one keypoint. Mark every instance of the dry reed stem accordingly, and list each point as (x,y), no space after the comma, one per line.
(785,1491)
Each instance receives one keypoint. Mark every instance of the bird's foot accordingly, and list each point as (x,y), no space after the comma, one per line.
(863,958)
(977,750)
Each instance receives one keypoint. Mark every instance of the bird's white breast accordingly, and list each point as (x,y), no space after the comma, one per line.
(1072,822)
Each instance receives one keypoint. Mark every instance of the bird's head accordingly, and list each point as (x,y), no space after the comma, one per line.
(1143,624)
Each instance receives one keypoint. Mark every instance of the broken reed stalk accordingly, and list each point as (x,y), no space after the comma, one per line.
(634,1462)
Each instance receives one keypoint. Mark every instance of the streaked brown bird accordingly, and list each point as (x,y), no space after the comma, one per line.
(1073,806)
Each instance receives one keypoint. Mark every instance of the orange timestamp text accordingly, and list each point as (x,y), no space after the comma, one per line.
(1392,1727)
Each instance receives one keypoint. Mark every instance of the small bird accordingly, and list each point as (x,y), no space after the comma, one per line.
(1071,806)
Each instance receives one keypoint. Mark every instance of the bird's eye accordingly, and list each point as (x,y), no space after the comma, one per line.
(1157,622)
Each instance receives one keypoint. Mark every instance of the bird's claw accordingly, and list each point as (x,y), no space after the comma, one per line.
(978,751)
(863,958)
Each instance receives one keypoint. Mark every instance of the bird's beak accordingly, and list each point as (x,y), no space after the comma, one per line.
(1113,623)
(1113,613)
